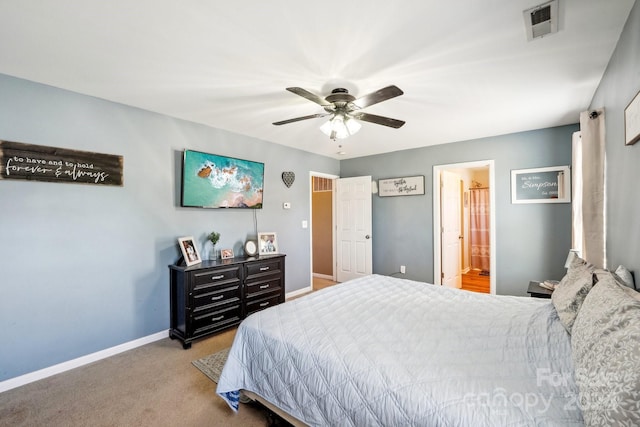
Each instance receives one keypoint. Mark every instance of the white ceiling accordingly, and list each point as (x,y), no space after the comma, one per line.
(465,66)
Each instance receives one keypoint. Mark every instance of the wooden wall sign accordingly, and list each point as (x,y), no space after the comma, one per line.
(51,164)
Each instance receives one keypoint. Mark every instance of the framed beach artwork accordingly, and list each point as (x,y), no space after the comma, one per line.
(189,250)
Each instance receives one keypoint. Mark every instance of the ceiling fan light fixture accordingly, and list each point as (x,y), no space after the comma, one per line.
(340,127)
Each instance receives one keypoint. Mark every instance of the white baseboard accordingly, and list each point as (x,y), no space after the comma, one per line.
(323,276)
(298,292)
(80,361)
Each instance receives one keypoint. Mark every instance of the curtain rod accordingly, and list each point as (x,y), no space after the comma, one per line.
(479,188)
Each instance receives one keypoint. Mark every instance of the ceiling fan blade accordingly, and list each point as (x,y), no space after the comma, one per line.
(297,119)
(379,120)
(308,95)
(378,96)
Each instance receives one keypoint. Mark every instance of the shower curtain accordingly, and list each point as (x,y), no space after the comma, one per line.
(479,228)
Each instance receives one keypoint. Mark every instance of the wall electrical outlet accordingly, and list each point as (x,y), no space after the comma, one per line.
(403,269)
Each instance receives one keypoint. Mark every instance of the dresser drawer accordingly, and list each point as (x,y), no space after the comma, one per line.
(216,319)
(261,304)
(202,280)
(259,269)
(266,286)
(218,296)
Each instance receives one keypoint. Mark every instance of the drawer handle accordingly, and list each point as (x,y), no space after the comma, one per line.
(264,304)
(264,286)
(215,319)
(217,298)
(217,277)
(264,268)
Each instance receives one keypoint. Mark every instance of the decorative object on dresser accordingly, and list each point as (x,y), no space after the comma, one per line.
(218,294)
(213,237)
(189,250)
(226,253)
(267,243)
(251,247)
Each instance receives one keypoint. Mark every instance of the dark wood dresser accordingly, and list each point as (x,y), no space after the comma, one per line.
(215,295)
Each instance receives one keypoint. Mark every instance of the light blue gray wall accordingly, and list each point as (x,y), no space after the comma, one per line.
(84,267)
(532,239)
(621,82)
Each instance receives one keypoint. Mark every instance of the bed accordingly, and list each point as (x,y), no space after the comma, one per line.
(383,351)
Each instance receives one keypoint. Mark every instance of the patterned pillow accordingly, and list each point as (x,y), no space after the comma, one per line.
(606,354)
(572,290)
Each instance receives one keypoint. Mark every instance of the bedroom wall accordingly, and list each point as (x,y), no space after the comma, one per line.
(84,267)
(620,83)
(532,239)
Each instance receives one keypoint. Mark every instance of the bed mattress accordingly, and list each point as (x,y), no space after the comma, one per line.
(382,351)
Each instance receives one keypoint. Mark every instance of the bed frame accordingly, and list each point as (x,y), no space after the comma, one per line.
(273,408)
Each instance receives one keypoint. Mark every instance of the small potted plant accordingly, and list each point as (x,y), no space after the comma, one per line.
(213,237)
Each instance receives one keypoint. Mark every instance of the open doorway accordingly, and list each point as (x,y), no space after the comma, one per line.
(464,225)
(322,230)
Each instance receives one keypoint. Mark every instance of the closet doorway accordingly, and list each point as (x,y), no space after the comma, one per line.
(464,226)
(323,253)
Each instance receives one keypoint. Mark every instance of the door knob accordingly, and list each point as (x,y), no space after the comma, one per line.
(367,237)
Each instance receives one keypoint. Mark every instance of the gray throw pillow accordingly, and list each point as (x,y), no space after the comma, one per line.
(626,276)
(572,290)
(605,347)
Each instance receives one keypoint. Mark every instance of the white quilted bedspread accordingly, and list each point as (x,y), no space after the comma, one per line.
(381,351)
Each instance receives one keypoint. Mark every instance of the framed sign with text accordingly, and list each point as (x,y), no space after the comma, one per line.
(542,185)
(407,186)
(52,164)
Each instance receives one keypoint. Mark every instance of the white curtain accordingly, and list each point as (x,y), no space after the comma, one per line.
(589,200)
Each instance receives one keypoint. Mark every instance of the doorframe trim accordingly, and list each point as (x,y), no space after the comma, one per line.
(437,255)
(333,222)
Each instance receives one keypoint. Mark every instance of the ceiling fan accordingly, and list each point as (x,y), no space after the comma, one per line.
(344,110)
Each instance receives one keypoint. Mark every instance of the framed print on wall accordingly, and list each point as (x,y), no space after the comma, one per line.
(189,250)
(541,185)
(632,121)
(267,243)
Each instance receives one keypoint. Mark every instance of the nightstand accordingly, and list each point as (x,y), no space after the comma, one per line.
(537,291)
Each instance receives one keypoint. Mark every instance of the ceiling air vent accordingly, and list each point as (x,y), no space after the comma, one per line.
(541,20)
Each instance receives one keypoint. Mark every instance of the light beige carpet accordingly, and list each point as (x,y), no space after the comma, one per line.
(154,385)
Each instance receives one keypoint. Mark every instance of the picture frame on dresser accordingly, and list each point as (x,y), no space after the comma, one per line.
(267,243)
(226,253)
(189,250)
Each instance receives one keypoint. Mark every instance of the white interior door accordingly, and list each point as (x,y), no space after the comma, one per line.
(451,234)
(353,223)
